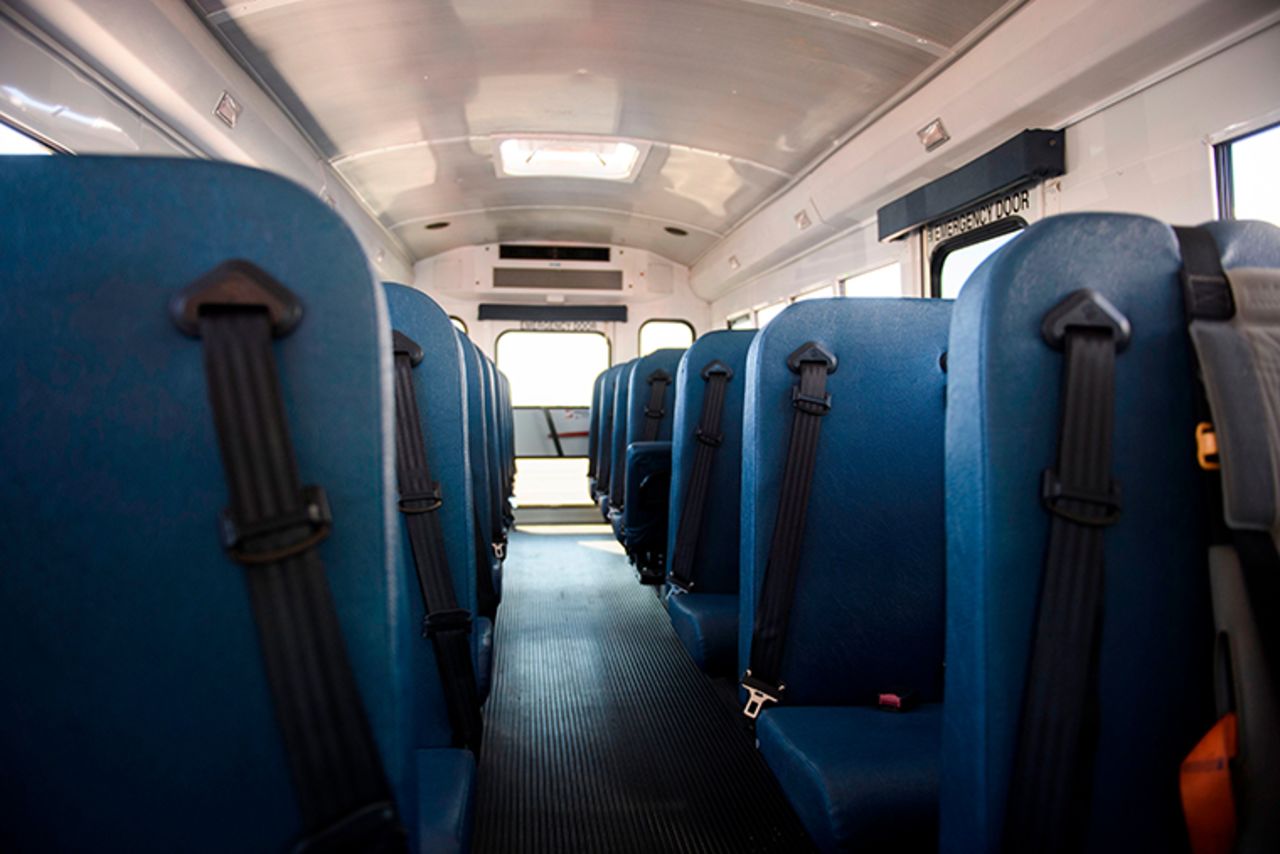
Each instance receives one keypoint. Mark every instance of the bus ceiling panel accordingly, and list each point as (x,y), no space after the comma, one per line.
(601,226)
(760,88)
(682,186)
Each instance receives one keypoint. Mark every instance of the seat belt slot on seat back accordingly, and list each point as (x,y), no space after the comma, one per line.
(809,397)
(272,526)
(445,623)
(1231,781)
(708,437)
(1050,787)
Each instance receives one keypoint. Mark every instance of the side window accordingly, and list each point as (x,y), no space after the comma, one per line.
(883,281)
(13,141)
(1249,176)
(552,376)
(955,260)
(661,334)
(458,323)
(742,321)
(824,292)
(769,312)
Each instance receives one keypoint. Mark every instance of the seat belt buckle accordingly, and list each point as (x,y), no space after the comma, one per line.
(758,694)
(451,620)
(499,550)
(1207,447)
(897,700)
(1053,493)
(679,587)
(259,543)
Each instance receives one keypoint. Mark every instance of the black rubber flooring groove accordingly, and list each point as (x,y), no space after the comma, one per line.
(600,733)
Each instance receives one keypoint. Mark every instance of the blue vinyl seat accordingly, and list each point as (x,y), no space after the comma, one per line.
(480,434)
(1155,674)
(441,387)
(593,429)
(138,709)
(706,618)
(867,615)
(616,492)
(604,443)
(642,525)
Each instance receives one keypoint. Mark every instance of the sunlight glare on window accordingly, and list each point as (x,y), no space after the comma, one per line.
(1255,174)
(16,142)
(552,368)
(958,264)
(769,312)
(663,334)
(883,281)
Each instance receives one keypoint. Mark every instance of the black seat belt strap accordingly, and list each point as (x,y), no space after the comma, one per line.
(445,623)
(763,679)
(1049,790)
(272,526)
(708,437)
(653,410)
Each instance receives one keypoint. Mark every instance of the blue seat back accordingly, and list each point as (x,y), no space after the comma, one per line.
(1154,677)
(593,425)
(715,564)
(868,609)
(668,361)
(618,429)
(604,444)
(495,447)
(138,710)
(438,382)
(479,438)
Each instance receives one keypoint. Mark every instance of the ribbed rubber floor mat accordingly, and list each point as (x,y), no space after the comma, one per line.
(600,733)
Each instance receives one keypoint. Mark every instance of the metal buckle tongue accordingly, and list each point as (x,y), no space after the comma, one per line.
(759,693)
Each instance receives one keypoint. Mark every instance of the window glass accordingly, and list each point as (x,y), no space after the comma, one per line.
(552,368)
(661,334)
(883,281)
(1252,176)
(769,312)
(953,266)
(817,293)
(742,321)
(15,142)
(458,323)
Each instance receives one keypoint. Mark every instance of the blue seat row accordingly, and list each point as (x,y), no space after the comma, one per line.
(139,707)
(925,537)
(629,443)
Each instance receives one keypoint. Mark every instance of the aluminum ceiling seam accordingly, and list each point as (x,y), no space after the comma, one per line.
(394,241)
(994,20)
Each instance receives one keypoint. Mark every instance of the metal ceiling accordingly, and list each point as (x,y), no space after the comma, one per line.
(736,96)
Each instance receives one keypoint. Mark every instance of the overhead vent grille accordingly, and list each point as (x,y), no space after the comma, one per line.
(557,280)
(516,252)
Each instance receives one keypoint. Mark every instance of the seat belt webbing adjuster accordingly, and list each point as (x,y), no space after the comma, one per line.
(260,542)
(425,501)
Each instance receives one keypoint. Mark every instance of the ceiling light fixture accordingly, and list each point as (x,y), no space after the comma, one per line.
(933,134)
(601,159)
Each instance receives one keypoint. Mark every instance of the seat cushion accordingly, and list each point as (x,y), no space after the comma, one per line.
(484,655)
(707,625)
(857,776)
(446,801)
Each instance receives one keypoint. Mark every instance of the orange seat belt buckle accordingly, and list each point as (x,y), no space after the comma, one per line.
(1207,800)
(1207,447)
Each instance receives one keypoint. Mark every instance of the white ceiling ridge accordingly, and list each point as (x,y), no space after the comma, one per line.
(857,22)
(921,80)
(687,226)
(474,138)
(244,9)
